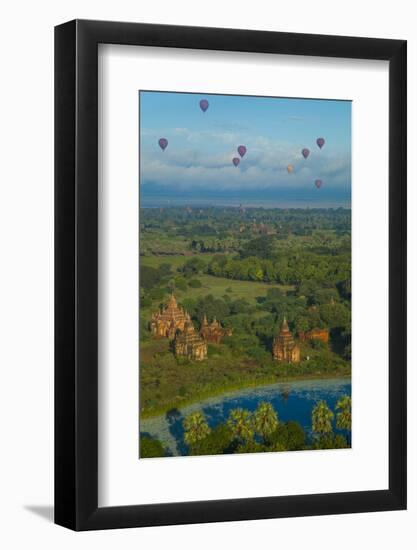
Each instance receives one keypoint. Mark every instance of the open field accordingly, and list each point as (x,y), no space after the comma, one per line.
(217,286)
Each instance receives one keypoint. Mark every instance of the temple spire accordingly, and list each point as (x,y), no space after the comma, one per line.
(172,300)
(283,347)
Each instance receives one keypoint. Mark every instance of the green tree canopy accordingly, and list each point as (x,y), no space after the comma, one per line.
(261,247)
(150,447)
(265,419)
(344,414)
(322,418)
(240,424)
(196,428)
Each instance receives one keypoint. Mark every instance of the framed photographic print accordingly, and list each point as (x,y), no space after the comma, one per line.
(230,275)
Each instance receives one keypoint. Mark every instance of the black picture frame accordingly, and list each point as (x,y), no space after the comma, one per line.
(76,272)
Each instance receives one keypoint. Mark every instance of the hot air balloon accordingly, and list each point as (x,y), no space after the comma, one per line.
(290,168)
(163,143)
(241,150)
(318,183)
(204,104)
(320,142)
(236,161)
(305,153)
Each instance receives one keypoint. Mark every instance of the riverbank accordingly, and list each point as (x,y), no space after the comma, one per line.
(292,400)
(180,403)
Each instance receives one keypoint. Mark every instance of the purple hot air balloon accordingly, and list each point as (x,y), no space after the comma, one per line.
(236,161)
(204,104)
(163,143)
(305,153)
(318,183)
(320,142)
(241,150)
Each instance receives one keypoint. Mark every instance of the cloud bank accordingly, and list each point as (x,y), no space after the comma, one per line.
(196,161)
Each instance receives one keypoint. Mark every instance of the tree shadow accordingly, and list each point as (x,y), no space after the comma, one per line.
(285,393)
(266,341)
(45,512)
(338,341)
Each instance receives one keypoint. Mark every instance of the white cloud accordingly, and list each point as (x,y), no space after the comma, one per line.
(198,164)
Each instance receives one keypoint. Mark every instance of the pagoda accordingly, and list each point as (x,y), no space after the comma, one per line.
(166,322)
(213,332)
(189,343)
(284,348)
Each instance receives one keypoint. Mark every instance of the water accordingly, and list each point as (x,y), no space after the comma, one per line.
(291,400)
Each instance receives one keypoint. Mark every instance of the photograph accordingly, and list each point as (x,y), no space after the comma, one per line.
(244,274)
(208,234)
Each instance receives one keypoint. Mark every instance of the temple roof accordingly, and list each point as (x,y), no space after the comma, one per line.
(172,303)
(171,312)
(284,337)
(189,335)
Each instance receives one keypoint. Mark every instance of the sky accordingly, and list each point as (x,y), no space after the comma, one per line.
(196,167)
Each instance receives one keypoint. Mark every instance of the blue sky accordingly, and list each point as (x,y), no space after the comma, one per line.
(196,167)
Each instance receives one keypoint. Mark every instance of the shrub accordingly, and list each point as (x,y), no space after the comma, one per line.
(180,283)
(219,441)
(195,283)
(182,391)
(289,437)
(318,345)
(330,441)
(258,354)
(145,301)
(150,447)
(157,294)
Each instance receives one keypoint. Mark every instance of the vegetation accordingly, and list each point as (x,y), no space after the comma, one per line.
(344,414)
(151,447)
(248,268)
(322,418)
(240,425)
(261,431)
(168,382)
(196,428)
(265,420)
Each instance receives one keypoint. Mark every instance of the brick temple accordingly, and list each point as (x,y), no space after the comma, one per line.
(213,332)
(175,323)
(166,322)
(321,334)
(189,343)
(284,348)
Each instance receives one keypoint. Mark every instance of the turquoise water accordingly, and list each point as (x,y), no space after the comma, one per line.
(291,400)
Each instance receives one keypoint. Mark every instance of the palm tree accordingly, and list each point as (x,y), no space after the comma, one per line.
(240,424)
(322,418)
(196,428)
(265,419)
(344,416)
